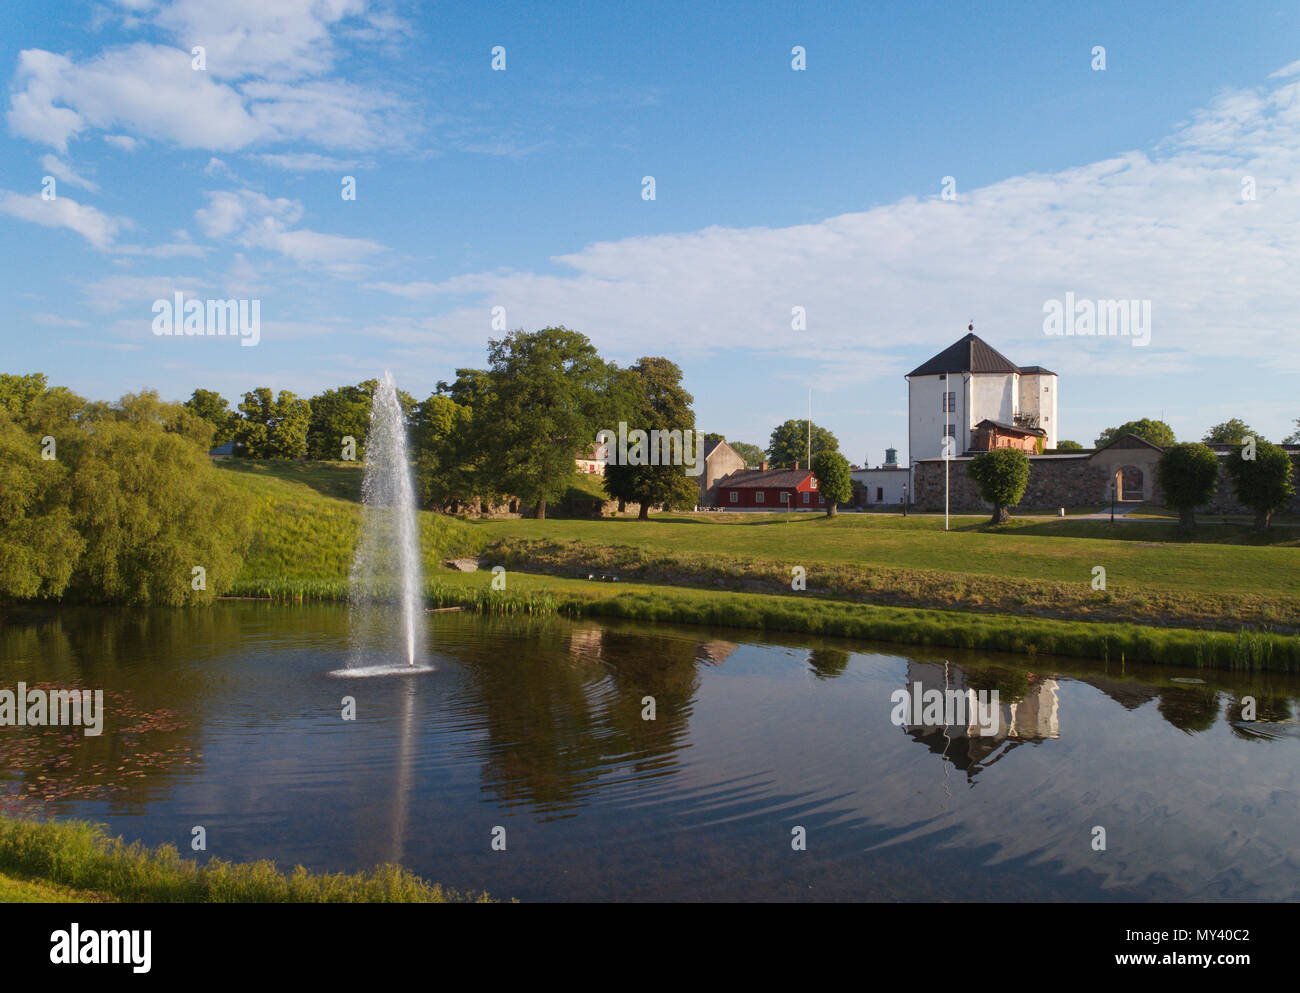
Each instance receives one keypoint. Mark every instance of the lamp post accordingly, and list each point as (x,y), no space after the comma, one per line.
(1112,499)
(904,499)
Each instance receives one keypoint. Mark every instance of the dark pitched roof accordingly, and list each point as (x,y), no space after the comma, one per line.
(757,479)
(1030,370)
(971,354)
(1014,428)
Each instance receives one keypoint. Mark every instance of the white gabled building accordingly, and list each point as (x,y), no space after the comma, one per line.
(969,382)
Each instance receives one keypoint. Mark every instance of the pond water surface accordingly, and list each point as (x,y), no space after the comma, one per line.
(227,717)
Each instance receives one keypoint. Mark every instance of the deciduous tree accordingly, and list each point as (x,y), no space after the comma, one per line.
(1188,474)
(1001,476)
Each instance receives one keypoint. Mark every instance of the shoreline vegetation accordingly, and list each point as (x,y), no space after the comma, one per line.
(77,861)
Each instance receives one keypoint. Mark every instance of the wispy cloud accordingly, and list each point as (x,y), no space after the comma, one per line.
(95,226)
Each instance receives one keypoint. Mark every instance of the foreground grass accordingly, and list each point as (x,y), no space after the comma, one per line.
(70,861)
(14,890)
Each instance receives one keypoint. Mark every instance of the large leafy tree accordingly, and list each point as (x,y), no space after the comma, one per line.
(273,427)
(650,397)
(1068,446)
(1156,432)
(1294,437)
(447,456)
(549,395)
(752,454)
(335,415)
(1230,432)
(1001,476)
(834,482)
(1265,483)
(789,443)
(215,409)
(1188,474)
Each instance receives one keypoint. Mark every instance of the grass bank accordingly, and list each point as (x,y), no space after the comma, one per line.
(1123,600)
(305,520)
(1248,650)
(1225,598)
(58,861)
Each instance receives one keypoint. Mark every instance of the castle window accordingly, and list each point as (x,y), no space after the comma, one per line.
(949,402)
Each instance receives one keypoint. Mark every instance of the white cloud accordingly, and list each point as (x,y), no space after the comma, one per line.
(123,141)
(95,226)
(258,221)
(65,173)
(139,292)
(311,162)
(279,38)
(1171,228)
(152,91)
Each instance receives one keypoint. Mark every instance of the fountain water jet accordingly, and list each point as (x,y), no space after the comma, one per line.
(386,567)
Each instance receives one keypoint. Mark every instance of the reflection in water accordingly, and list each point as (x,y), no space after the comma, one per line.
(1027,712)
(228,717)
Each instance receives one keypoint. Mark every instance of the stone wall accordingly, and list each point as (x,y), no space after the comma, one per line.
(1053,482)
(1059,482)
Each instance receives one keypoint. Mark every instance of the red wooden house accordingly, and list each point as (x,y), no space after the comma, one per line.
(770,489)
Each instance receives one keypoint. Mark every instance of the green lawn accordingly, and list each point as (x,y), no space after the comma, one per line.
(1135,555)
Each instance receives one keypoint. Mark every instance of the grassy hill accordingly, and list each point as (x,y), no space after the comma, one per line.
(305,520)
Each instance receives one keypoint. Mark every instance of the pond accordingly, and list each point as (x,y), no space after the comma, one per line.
(774,768)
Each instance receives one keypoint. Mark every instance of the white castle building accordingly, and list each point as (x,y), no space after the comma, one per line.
(972,385)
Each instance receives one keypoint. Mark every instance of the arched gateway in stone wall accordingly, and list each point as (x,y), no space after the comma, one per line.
(1125,458)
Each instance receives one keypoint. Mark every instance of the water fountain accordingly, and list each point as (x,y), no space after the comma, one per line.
(386,580)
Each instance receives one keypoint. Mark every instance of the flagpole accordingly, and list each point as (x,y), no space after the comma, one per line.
(947,457)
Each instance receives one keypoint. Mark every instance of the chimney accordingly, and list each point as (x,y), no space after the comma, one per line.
(763,468)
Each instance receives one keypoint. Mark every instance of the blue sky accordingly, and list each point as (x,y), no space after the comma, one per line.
(775,189)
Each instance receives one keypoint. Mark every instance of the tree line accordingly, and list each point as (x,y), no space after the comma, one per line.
(507,431)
